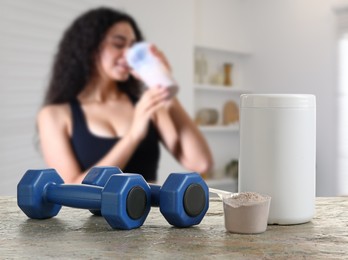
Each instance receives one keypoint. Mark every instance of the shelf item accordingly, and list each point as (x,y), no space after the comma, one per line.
(207,116)
(227,74)
(230,114)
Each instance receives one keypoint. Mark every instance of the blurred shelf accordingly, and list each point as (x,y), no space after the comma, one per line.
(220,88)
(223,49)
(220,128)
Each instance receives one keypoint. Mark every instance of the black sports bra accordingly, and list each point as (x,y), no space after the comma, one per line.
(89,148)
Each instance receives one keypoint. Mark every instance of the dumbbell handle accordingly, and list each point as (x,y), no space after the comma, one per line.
(76,196)
(155,195)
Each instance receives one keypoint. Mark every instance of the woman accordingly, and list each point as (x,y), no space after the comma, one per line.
(96,114)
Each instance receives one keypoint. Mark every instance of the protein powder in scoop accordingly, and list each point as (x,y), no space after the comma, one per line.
(246,212)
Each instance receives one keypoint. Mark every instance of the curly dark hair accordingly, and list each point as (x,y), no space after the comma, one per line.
(74,63)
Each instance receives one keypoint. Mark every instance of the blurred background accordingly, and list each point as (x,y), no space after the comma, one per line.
(218,50)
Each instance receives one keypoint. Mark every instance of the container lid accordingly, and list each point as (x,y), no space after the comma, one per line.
(277,100)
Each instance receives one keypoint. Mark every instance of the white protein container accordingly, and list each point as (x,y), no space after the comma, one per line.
(278,153)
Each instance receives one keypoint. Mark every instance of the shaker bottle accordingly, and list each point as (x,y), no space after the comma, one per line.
(149,67)
(277,153)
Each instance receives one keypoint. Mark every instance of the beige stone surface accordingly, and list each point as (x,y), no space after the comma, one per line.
(75,234)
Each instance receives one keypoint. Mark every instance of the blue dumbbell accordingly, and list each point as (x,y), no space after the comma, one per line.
(183,199)
(124,202)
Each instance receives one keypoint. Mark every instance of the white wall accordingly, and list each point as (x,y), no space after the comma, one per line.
(220,24)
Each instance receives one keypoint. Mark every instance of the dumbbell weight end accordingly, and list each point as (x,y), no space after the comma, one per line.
(30,192)
(184,199)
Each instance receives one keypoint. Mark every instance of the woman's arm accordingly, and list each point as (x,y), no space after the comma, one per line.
(182,138)
(53,123)
(179,133)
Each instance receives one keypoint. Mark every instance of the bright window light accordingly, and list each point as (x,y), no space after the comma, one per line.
(342,103)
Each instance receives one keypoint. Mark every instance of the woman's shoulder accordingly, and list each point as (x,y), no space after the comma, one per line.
(58,114)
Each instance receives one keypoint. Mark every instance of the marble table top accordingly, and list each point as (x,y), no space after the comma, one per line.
(76,234)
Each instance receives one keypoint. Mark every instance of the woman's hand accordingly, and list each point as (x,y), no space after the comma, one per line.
(150,102)
(160,55)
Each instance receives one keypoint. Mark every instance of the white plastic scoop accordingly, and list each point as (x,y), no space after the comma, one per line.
(222,193)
